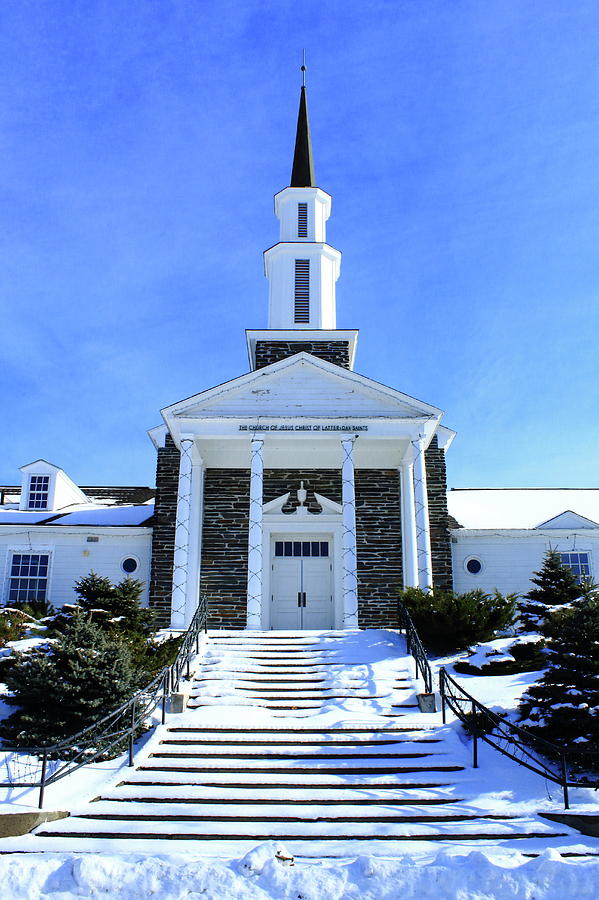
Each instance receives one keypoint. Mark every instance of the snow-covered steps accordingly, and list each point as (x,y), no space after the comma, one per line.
(314,739)
(294,672)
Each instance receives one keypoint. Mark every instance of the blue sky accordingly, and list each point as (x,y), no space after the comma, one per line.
(141,145)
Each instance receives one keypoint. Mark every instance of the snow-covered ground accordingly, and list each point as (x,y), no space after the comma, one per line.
(260,876)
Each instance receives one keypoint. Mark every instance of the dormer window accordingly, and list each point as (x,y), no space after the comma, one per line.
(39,489)
(302,220)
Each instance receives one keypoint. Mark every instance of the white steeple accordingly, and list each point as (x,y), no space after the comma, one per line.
(302,268)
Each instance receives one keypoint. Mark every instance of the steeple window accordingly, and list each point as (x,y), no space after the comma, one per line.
(302,291)
(302,220)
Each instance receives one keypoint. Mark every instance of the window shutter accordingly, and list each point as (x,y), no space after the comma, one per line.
(302,290)
(302,220)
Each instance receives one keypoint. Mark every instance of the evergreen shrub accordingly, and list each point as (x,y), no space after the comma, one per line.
(13,624)
(447,621)
(556,586)
(64,686)
(118,612)
(564,705)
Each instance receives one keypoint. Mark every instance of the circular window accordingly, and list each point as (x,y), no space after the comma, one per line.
(474,565)
(129,565)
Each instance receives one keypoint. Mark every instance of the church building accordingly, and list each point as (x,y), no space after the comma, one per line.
(302,494)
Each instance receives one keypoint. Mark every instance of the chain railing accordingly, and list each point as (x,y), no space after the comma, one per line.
(30,767)
(553,761)
(414,646)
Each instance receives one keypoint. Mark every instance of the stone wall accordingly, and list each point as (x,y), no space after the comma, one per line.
(436,480)
(378,526)
(225,533)
(268,352)
(225,546)
(163,533)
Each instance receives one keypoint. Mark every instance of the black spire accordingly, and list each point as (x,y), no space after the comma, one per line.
(302,174)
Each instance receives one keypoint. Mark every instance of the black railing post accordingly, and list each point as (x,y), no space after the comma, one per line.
(565,780)
(165,680)
(132,734)
(474,738)
(43,778)
(442,690)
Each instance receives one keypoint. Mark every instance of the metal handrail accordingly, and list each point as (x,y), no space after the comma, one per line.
(118,728)
(546,758)
(414,645)
(190,645)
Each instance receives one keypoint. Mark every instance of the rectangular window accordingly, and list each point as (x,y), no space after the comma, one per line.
(302,290)
(39,488)
(301,548)
(579,563)
(302,220)
(28,577)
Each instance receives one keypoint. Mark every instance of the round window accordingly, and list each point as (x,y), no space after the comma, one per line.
(473,565)
(129,565)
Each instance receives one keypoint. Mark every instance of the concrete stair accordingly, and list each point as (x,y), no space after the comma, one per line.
(330,758)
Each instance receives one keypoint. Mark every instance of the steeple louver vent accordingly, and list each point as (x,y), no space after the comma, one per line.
(302,220)
(302,291)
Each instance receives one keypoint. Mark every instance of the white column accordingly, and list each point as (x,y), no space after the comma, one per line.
(423,535)
(408,522)
(196,524)
(254,601)
(349,554)
(181,557)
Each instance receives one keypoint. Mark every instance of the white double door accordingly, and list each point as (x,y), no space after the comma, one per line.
(301,582)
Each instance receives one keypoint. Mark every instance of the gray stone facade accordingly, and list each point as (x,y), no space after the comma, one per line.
(225,533)
(163,530)
(436,478)
(225,546)
(378,528)
(268,352)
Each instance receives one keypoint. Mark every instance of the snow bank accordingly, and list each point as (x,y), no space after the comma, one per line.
(548,877)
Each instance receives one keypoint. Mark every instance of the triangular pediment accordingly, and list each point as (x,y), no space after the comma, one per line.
(302,385)
(568,519)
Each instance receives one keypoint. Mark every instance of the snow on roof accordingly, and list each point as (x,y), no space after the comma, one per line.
(96,516)
(22,517)
(114,515)
(519,507)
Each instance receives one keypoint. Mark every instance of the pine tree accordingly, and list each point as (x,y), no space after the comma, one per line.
(556,586)
(93,592)
(564,706)
(115,608)
(66,686)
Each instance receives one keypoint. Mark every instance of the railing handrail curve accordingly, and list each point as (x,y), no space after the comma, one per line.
(518,743)
(133,713)
(414,646)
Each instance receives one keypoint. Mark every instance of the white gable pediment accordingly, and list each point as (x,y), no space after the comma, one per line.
(568,519)
(302,385)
